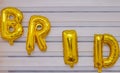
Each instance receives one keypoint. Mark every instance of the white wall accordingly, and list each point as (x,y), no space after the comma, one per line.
(87,17)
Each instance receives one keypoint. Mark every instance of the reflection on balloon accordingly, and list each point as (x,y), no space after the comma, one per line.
(11,28)
(99,41)
(70,47)
(38,29)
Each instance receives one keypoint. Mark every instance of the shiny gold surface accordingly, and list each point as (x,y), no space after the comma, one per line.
(38,29)
(70,47)
(99,41)
(11,28)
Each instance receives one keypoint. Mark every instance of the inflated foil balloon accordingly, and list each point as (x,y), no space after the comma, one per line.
(0,25)
(99,41)
(70,47)
(38,29)
(11,28)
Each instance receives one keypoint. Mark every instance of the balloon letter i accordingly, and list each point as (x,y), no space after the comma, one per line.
(70,47)
(11,27)
(38,29)
(99,41)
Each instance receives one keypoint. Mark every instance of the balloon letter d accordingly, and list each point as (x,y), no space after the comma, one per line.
(99,41)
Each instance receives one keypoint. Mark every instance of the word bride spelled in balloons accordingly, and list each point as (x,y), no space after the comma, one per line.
(11,29)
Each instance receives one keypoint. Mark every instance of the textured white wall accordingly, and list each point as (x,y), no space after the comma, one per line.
(87,17)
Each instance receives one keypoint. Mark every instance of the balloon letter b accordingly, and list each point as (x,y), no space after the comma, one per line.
(11,27)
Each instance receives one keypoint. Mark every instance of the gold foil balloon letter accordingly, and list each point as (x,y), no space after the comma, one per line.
(99,41)
(11,27)
(70,47)
(38,29)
